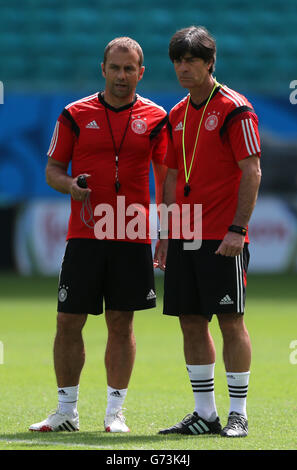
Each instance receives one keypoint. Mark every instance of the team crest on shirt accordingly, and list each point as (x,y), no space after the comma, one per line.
(211,122)
(139,126)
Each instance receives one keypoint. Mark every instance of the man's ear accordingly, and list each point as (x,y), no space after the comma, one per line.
(210,64)
(141,72)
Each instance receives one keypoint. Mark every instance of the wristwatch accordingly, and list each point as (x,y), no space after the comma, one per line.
(163,234)
(237,229)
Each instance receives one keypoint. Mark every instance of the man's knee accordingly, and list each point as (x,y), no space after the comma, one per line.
(70,323)
(193,325)
(119,323)
(232,325)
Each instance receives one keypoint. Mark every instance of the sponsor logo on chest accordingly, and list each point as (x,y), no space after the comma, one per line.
(179,126)
(92,125)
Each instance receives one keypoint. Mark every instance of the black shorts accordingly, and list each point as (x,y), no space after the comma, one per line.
(201,282)
(118,272)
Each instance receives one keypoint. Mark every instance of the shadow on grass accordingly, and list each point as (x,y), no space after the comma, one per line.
(99,439)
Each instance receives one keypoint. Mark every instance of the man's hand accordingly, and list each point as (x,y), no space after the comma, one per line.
(57,178)
(231,245)
(161,254)
(78,193)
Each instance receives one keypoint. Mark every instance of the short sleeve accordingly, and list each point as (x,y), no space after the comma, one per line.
(170,159)
(160,146)
(61,145)
(243,135)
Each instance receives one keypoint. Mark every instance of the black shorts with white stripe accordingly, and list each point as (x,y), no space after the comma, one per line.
(201,282)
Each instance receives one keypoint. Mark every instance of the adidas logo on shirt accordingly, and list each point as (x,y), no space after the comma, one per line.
(151,295)
(226,300)
(179,127)
(92,125)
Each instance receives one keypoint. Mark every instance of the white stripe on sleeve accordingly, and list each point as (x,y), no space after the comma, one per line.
(54,140)
(249,135)
(246,138)
(254,136)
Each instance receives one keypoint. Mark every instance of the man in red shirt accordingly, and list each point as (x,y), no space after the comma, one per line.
(213,160)
(110,139)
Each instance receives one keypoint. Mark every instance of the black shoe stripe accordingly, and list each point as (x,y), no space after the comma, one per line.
(65,427)
(71,426)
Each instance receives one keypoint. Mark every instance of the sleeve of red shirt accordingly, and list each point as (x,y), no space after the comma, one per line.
(160,146)
(243,135)
(170,159)
(61,145)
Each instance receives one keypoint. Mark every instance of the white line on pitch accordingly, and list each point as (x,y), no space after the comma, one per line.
(53,443)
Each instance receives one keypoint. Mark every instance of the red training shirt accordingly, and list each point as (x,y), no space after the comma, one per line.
(83,137)
(228,134)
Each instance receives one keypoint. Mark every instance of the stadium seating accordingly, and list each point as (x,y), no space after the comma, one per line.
(51,53)
(54,45)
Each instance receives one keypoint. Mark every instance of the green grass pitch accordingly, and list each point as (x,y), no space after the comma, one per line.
(159,393)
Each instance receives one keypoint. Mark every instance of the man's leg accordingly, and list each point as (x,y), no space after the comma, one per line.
(236,342)
(69,357)
(119,360)
(200,355)
(198,343)
(120,349)
(237,359)
(69,352)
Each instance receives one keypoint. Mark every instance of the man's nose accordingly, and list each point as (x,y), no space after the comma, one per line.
(183,65)
(121,74)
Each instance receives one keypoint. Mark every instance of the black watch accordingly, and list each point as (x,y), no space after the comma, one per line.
(163,234)
(237,229)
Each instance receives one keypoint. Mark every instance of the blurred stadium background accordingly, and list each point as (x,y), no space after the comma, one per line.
(50,55)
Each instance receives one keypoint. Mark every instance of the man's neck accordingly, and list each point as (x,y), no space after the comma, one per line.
(116,102)
(201,93)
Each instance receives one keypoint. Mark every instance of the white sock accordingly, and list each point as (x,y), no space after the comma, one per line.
(202,381)
(238,388)
(68,397)
(115,399)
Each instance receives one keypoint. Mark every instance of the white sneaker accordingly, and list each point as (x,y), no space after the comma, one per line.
(57,422)
(115,422)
